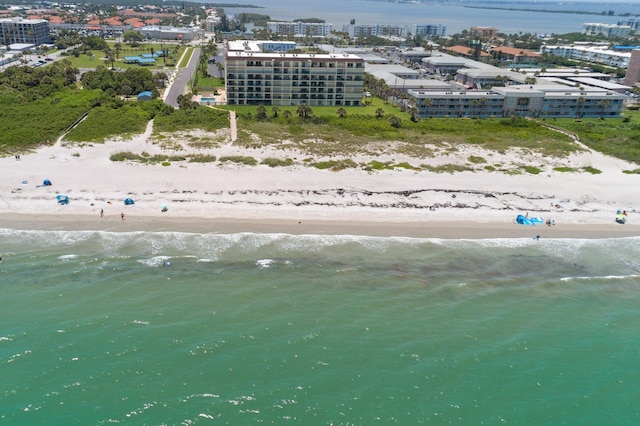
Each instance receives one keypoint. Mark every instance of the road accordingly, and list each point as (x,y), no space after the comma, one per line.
(179,83)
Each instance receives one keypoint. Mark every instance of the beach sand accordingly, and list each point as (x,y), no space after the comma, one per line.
(229,198)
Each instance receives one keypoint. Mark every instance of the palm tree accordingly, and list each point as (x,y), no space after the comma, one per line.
(413,113)
(287,114)
(580,107)
(304,111)
(342,113)
(603,104)
(379,113)
(395,121)
(261,112)
(275,109)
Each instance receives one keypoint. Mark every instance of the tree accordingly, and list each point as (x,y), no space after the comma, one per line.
(261,112)
(413,113)
(132,37)
(395,121)
(379,113)
(287,113)
(304,111)
(603,104)
(342,113)
(275,109)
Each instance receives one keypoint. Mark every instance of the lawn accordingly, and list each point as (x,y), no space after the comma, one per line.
(94,58)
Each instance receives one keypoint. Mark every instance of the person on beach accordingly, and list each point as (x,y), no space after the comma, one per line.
(122,216)
(101,212)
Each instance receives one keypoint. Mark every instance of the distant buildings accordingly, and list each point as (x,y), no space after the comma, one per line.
(172,33)
(496,92)
(383,30)
(24,31)
(300,29)
(256,46)
(608,30)
(293,79)
(483,33)
(588,52)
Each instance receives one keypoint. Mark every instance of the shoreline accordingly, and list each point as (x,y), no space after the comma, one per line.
(411,229)
(299,200)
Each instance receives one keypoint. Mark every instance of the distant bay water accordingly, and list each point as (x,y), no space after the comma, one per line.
(455,16)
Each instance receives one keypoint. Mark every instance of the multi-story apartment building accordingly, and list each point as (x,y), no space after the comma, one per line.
(27,31)
(633,23)
(483,33)
(293,79)
(519,100)
(300,29)
(600,54)
(378,30)
(429,31)
(608,30)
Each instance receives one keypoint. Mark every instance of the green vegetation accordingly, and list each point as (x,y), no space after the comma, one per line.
(112,54)
(247,161)
(447,168)
(564,169)
(532,170)
(618,137)
(276,162)
(592,170)
(324,133)
(186,58)
(335,165)
(476,160)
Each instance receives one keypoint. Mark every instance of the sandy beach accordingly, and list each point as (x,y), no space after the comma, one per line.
(228,198)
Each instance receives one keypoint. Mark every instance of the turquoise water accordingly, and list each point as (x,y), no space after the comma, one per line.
(173,328)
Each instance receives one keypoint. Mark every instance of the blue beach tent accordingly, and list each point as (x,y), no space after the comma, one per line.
(62,199)
(46,182)
(128,202)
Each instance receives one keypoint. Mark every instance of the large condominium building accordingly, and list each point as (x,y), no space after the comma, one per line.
(293,79)
(365,30)
(608,30)
(300,29)
(172,33)
(429,30)
(600,54)
(27,31)
(519,100)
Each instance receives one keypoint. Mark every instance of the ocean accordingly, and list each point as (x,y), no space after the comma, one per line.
(179,328)
(454,16)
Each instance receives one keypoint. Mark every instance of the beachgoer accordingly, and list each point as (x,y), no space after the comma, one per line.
(122,216)
(101,212)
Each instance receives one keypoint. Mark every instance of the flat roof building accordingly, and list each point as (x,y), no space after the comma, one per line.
(293,79)
(29,31)
(300,29)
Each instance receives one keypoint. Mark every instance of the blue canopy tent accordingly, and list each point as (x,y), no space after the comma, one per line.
(128,202)
(62,199)
(524,220)
(46,182)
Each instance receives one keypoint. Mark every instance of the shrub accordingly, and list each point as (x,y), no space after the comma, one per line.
(532,170)
(592,170)
(202,158)
(276,162)
(247,161)
(476,160)
(335,165)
